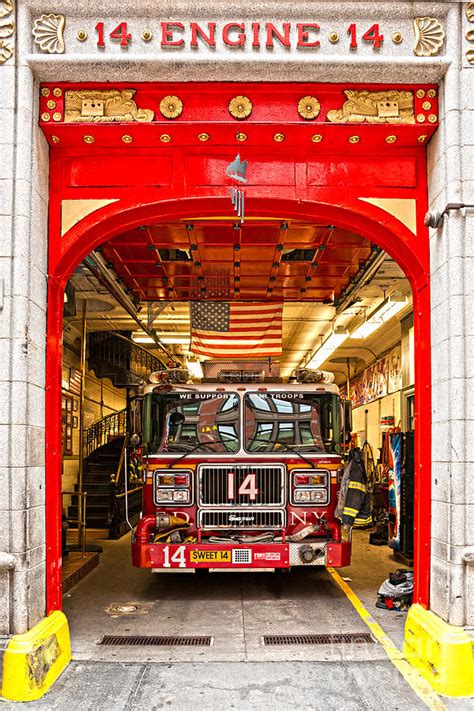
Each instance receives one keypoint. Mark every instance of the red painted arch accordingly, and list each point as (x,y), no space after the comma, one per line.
(411,253)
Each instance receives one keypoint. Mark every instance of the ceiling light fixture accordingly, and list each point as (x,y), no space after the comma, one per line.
(337,337)
(383,313)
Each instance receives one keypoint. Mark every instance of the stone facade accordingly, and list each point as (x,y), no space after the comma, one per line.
(23,235)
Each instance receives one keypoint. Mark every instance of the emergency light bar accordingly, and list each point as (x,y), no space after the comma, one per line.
(307,375)
(241,376)
(172,375)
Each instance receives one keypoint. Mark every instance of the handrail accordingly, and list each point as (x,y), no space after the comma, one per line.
(99,433)
(119,467)
(123,355)
(81,521)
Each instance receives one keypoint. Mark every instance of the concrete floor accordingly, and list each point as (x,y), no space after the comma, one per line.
(237,671)
(236,609)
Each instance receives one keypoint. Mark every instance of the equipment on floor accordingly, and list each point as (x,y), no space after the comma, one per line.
(396,593)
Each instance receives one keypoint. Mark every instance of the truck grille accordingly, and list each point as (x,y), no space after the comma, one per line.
(214,484)
(241,518)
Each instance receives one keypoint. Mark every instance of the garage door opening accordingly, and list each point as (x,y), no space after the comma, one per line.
(128,313)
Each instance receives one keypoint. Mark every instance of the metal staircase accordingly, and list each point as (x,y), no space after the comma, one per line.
(125,363)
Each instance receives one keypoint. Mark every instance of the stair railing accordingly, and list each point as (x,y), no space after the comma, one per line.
(104,430)
(121,352)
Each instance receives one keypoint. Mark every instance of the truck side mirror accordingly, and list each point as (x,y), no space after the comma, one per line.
(134,440)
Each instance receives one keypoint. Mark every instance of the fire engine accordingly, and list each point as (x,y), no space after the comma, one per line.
(239,473)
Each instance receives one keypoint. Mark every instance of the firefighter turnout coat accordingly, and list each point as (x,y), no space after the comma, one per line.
(354,505)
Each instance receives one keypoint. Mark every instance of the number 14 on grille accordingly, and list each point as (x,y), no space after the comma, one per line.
(248,486)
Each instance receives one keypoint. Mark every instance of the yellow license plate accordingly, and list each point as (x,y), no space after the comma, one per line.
(210,556)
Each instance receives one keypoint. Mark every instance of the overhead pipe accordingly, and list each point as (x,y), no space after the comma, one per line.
(96,264)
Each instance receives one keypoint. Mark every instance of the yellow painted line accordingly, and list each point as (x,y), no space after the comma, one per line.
(421,687)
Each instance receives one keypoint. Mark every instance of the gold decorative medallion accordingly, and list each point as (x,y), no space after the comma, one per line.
(334,37)
(390,139)
(7,30)
(127,139)
(147,35)
(470,33)
(316,138)
(279,137)
(55,139)
(103,106)
(354,139)
(426,105)
(389,106)
(240,107)
(241,137)
(171,107)
(397,38)
(429,36)
(309,107)
(421,118)
(88,139)
(432,118)
(45,117)
(45,91)
(420,93)
(81,35)
(165,138)
(203,137)
(48,33)
(57,116)
(422,138)
(431,93)
(51,104)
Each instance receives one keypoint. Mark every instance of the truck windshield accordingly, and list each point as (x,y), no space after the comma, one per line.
(304,422)
(185,422)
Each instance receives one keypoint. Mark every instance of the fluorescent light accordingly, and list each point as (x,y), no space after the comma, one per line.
(331,344)
(195,368)
(142,339)
(377,318)
(366,328)
(176,340)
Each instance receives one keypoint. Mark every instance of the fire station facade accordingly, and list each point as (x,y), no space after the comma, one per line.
(398,75)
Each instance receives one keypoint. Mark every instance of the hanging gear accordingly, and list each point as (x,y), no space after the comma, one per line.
(353,507)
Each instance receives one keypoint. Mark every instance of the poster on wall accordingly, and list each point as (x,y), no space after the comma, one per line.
(378,380)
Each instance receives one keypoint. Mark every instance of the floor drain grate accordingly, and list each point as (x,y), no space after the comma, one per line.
(349,638)
(153,641)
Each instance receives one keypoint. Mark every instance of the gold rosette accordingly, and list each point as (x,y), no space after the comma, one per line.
(240,107)
(309,107)
(171,107)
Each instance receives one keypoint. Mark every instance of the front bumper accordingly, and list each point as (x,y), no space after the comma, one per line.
(234,556)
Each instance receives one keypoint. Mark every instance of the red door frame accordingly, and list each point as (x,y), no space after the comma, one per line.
(176,176)
(363,218)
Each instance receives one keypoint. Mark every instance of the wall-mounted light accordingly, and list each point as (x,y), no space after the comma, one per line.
(337,337)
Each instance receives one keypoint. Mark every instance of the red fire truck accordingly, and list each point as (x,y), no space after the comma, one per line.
(241,473)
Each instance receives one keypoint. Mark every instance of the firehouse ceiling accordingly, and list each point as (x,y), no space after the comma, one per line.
(326,277)
(220,260)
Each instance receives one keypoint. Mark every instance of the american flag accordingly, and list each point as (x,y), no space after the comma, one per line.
(238,330)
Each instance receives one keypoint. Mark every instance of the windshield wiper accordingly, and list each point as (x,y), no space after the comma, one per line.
(202,444)
(288,448)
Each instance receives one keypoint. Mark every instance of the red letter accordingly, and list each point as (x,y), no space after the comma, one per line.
(167,29)
(196,30)
(273,32)
(303,34)
(255,31)
(240,42)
